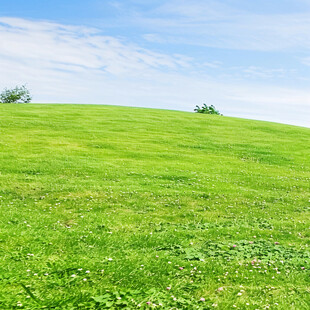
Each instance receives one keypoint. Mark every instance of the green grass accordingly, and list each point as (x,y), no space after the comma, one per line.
(135,195)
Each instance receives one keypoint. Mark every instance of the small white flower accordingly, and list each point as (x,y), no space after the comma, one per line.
(84,279)
(110,259)
(87,271)
(73,276)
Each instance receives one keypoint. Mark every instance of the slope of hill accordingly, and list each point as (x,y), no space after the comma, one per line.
(106,207)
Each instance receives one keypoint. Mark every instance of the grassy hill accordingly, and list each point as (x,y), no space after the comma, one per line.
(112,207)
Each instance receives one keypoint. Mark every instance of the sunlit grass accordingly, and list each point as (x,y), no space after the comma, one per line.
(106,207)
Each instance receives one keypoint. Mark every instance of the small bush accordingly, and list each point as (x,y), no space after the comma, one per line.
(19,94)
(207,109)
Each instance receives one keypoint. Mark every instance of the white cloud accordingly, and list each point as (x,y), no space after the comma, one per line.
(262,73)
(213,64)
(214,24)
(305,61)
(84,47)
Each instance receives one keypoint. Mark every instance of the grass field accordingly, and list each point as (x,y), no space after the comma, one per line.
(124,208)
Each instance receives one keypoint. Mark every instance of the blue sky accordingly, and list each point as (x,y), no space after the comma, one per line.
(249,58)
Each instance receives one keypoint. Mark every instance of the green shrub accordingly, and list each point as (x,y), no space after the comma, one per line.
(207,109)
(19,94)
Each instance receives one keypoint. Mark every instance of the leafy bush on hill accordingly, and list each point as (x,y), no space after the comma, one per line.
(207,109)
(19,94)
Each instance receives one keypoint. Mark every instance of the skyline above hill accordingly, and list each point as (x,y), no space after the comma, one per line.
(250,60)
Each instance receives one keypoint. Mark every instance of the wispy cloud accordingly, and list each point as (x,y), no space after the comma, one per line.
(215,24)
(68,47)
